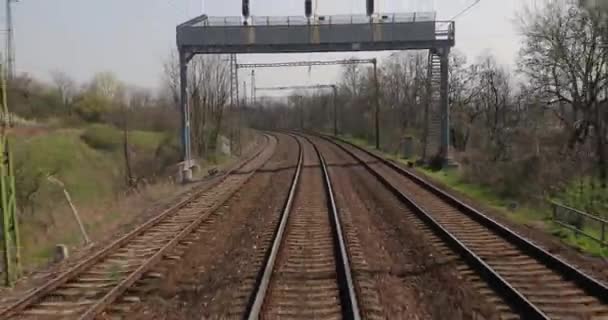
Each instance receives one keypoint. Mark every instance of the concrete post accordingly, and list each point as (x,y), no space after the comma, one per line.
(186,168)
(444,105)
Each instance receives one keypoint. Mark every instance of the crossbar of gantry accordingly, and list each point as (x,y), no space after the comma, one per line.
(380,32)
(304,63)
(311,87)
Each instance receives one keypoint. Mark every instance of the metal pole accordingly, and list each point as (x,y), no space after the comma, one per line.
(252,87)
(232,101)
(8,205)
(244,92)
(301,112)
(377,116)
(444,105)
(12,204)
(238,104)
(335,110)
(185,110)
(9,40)
(6,231)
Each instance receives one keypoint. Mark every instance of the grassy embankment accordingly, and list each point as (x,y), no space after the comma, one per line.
(535,215)
(90,163)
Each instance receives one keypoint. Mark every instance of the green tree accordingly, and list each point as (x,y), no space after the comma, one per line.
(91,106)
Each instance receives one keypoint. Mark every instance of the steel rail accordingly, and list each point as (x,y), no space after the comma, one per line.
(350,304)
(589,284)
(513,297)
(48,287)
(350,307)
(255,307)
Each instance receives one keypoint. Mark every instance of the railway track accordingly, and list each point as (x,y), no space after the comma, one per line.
(307,272)
(88,288)
(532,282)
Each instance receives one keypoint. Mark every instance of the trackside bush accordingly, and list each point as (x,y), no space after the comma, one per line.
(102,137)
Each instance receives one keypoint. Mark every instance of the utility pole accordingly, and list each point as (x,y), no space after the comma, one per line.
(252,87)
(10,54)
(335,102)
(300,104)
(234,102)
(244,93)
(377,116)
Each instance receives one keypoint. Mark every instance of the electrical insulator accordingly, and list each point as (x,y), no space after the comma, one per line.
(370,7)
(246,8)
(308,8)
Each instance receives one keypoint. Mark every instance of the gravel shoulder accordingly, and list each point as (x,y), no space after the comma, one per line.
(34,278)
(398,263)
(214,278)
(594,266)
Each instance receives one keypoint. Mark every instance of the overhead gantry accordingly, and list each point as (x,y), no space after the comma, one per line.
(374,32)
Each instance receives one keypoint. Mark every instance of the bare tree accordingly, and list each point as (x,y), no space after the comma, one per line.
(208,93)
(465,89)
(495,98)
(403,81)
(107,85)
(66,87)
(351,83)
(171,77)
(564,59)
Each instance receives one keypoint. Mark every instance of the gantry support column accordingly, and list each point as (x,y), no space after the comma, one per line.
(444,105)
(187,164)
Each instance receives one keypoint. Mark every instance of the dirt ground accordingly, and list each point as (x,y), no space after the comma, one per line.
(151,208)
(413,279)
(215,277)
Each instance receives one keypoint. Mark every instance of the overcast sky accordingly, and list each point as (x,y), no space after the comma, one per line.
(132,38)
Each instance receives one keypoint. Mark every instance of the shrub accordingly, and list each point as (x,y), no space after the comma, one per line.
(168,152)
(436,163)
(92,107)
(102,137)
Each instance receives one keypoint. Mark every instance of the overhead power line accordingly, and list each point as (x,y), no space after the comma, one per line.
(466,9)
(310,87)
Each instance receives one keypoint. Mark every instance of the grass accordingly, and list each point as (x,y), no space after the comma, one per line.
(538,217)
(585,194)
(107,138)
(91,169)
(147,141)
(102,137)
(485,195)
(86,172)
(89,161)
